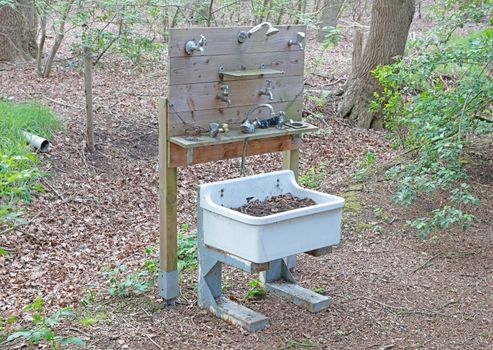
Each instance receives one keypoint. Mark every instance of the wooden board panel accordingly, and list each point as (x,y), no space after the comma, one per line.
(195,97)
(221,41)
(201,69)
(180,122)
(237,135)
(195,83)
(180,156)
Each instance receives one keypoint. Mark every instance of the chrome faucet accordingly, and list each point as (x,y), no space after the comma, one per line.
(268,90)
(300,37)
(242,36)
(224,94)
(248,127)
(192,46)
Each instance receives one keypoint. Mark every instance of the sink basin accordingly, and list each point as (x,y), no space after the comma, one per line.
(267,238)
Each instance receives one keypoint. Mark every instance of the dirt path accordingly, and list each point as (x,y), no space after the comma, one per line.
(389,289)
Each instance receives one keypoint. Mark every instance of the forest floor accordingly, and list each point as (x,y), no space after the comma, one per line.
(389,289)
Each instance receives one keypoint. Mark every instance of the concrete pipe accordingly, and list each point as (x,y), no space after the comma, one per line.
(36,141)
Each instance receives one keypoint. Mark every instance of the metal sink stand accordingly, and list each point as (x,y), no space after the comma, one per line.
(275,275)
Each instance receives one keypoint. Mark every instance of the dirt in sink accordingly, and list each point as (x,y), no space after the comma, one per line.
(274,205)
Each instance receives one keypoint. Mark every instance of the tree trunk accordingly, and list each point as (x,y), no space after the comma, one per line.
(18,25)
(331,10)
(389,28)
(88,91)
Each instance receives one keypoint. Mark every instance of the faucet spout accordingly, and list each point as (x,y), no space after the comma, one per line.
(262,105)
(224,94)
(268,90)
(300,37)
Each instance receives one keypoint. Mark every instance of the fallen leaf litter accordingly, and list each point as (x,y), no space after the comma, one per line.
(274,205)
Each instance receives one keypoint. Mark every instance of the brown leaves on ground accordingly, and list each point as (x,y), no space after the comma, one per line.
(101,210)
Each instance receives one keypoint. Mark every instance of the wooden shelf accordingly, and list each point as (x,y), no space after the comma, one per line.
(249,72)
(237,135)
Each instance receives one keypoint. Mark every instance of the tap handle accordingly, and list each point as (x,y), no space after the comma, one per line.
(280,120)
(202,42)
(225,89)
(300,37)
(191,45)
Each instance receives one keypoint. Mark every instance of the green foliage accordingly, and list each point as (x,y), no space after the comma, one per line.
(41,326)
(32,116)
(187,251)
(319,101)
(256,291)
(366,163)
(332,36)
(294,344)
(313,177)
(435,101)
(89,297)
(319,290)
(123,284)
(18,170)
(91,320)
(110,26)
(381,214)
(17,176)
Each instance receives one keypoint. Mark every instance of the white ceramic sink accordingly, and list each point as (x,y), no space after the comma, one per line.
(264,239)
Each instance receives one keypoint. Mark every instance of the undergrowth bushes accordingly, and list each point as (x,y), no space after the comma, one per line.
(18,164)
(436,102)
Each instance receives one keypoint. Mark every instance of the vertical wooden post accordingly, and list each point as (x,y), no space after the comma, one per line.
(88,91)
(168,277)
(291,161)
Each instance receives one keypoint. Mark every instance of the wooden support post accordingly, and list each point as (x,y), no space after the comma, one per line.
(291,161)
(168,277)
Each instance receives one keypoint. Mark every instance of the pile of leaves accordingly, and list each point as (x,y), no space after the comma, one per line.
(274,205)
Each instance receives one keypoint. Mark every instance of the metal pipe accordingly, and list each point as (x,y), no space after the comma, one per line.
(36,141)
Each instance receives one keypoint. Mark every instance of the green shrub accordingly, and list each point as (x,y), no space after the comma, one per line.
(18,164)
(41,326)
(435,117)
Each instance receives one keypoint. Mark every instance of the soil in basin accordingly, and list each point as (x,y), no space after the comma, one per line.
(274,205)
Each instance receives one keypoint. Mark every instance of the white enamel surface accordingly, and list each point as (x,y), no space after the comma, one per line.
(263,239)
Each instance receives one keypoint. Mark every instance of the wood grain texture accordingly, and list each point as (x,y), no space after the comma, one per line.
(179,156)
(167,198)
(196,97)
(195,83)
(202,69)
(180,122)
(224,41)
(237,135)
(291,161)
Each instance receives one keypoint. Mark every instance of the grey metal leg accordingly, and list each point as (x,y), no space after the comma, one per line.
(291,262)
(279,270)
(209,289)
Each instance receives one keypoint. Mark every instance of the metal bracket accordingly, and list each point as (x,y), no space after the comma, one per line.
(168,286)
